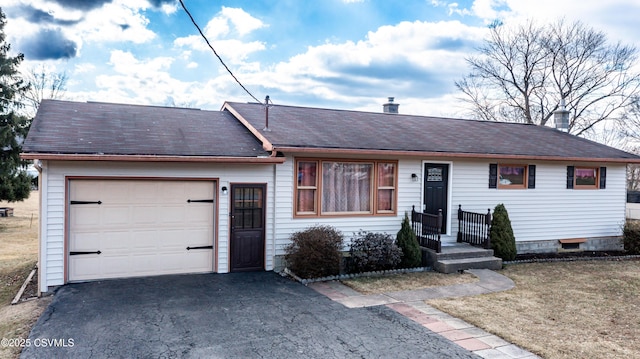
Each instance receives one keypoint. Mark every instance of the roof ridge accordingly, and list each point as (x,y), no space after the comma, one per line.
(387,114)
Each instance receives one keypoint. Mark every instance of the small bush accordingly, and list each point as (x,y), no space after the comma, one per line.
(315,252)
(631,236)
(373,252)
(408,243)
(503,241)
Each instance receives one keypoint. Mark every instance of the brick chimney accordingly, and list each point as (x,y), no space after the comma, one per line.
(390,107)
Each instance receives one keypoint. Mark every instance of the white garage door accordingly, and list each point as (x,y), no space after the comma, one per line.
(131,228)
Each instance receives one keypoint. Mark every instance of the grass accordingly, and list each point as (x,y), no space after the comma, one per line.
(18,256)
(406,281)
(562,310)
(582,309)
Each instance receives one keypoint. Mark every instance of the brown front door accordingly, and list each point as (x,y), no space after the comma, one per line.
(247,227)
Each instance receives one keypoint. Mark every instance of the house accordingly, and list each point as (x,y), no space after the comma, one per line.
(132,190)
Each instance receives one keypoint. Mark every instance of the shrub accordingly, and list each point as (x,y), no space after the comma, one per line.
(503,241)
(408,243)
(315,252)
(373,252)
(631,236)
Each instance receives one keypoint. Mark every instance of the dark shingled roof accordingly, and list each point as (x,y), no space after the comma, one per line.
(63,127)
(303,127)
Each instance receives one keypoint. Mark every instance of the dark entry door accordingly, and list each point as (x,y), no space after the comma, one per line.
(247,227)
(436,179)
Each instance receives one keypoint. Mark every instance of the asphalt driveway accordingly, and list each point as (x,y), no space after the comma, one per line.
(240,315)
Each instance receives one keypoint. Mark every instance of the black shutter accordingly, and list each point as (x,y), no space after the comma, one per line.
(603,177)
(570,177)
(531,181)
(493,175)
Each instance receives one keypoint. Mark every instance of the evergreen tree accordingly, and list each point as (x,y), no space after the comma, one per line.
(14,181)
(407,241)
(503,241)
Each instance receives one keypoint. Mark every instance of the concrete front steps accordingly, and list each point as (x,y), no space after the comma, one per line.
(459,257)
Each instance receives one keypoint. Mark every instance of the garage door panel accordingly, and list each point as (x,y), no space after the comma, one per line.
(83,216)
(144,215)
(116,192)
(84,266)
(145,240)
(115,216)
(199,213)
(141,228)
(171,213)
(146,192)
(198,237)
(84,241)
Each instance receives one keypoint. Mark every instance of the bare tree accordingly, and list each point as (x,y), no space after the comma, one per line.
(44,84)
(523,72)
(633,178)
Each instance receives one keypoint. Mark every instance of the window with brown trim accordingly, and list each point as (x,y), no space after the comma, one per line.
(512,176)
(307,187)
(586,178)
(386,187)
(342,187)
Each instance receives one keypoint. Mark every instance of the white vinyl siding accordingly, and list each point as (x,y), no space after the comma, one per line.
(409,193)
(550,211)
(53,226)
(547,212)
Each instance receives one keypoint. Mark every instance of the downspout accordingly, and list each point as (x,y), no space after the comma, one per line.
(273,214)
(44,219)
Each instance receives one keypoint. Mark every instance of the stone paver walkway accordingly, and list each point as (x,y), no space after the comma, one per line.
(411,304)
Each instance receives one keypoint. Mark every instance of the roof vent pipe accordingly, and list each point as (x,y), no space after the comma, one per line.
(266,114)
(561,117)
(390,107)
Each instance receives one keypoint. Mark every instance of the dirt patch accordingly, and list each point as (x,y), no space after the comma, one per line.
(577,309)
(16,322)
(406,281)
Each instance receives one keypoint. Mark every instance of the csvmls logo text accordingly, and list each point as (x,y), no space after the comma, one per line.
(58,343)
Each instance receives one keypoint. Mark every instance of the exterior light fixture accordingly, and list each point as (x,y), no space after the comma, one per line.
(224,190)
(414,177)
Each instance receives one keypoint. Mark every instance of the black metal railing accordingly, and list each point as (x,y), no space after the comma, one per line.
(427,228)
(474,228)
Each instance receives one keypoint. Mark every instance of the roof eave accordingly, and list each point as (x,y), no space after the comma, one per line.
(149,158)
(370,152)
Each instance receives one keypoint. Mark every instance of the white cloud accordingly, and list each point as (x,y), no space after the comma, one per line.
(169,9)
(115,22)
(406,59)
(242,21)
(125,63)
(223,31)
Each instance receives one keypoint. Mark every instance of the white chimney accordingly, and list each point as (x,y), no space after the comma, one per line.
(390,107)
(561,117)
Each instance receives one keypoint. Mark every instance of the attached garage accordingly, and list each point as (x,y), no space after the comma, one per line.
(131,228)
(130,191)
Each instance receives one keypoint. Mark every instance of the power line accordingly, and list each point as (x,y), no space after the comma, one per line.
(214,51)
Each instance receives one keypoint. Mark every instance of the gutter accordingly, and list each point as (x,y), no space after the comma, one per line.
(150,158)
(342,151)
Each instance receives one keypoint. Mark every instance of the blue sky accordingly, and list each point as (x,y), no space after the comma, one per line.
(345,54)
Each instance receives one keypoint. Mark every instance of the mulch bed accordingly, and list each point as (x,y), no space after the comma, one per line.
(570,256)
